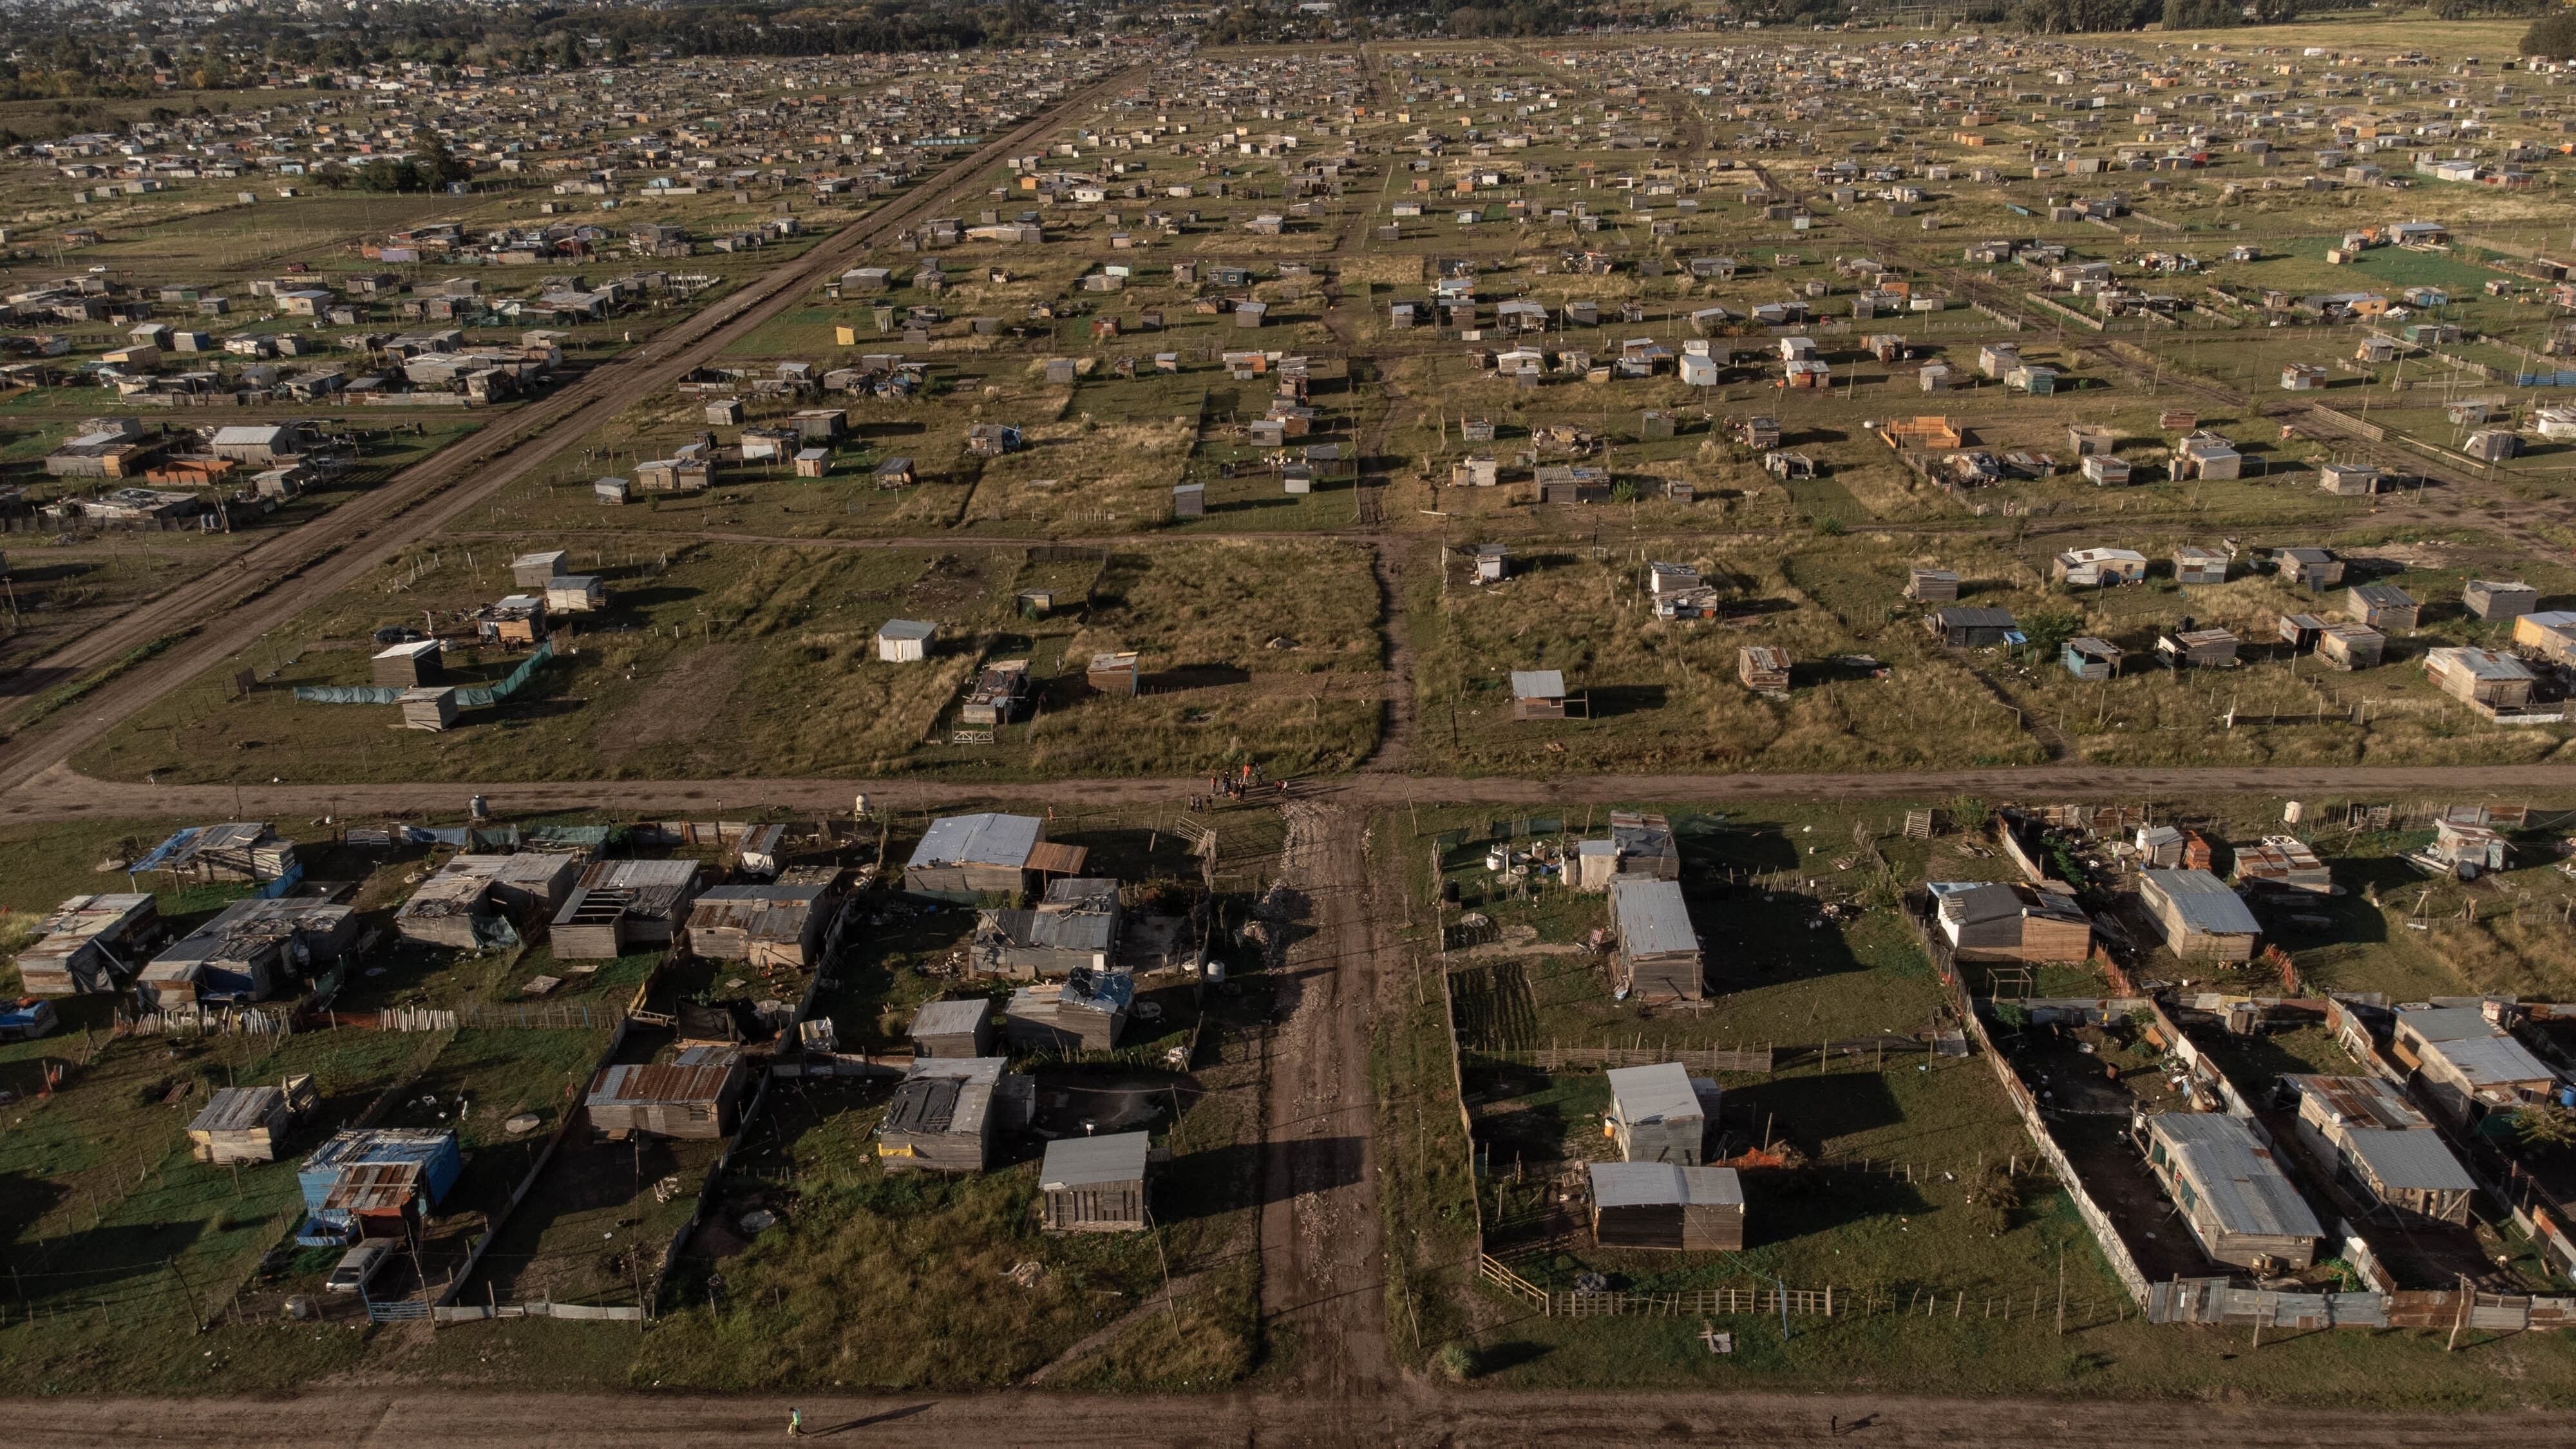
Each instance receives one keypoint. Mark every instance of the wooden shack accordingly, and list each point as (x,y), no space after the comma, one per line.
(1658,956)
(988,853)
(947,1112)
(1112,673)
(250,1124)
(1086,1011)
(1539,694)
(407,665)
(2480,677)
(1932,586)
(576,594)
(2197,648)
(536,570)
(1965,628)
(778,924)
(2235,1199)
(1764,668)
(695,1097)
(2493,599)
(2348,646)
(621,906)
(429,707)
(1659,1113)
(2365,1132)
(953,1029)
(2384,607)
(2201,919)
(91,944)
(2011,921)
(2194,565)
(1095,1184)
(1667,1206)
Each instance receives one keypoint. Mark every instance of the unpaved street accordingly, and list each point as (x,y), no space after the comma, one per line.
(63,793)
(359,1418)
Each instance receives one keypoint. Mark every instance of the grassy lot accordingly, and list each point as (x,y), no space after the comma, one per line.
(672,679)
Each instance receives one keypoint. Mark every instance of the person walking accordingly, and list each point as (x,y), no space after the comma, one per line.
(795,1423)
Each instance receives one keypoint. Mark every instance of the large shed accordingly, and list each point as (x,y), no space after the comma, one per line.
(2010,921)
(90,944)
(2200,917)
(953,1029)
(775,924)
(964,856)
(626,905)
(2235,1199)
(947,1112)
(250,1124)
(1660,1113)
(472,901)
(1086,1011)
(1095,1184)
(1658,956)
(1666,1205)
(697,1096)
(2365,1131)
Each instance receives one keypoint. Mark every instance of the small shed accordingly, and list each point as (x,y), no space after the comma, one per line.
(1084,1012)
(2091,658)
(953,1028)
(1112,673)
(1493,563)
(407,664)
(429,707)
(987,853)
(696,1097)
(2480,677)
(895,473)
(619,906)
(536,570)
(1659,1113)
(2197,648)
(250,1124)
(1189,500)
(2469,850)
(1658,956)
(1667,1206)
(2194,565)
(905,641)
(576,594)
(2105,471)
(2311,568)
(1764,668)
(90,944)
(1965,628)
(2349,646)
(1539,694)
(2349,480)
(1932,586)
(2384,607)
(813,462)
(2493,599)
(1095,1184)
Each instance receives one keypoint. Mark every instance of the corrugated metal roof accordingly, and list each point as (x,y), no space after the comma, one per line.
(2235,1175)
(1653,1094)
(2204,902)
(2445,1023)
(1538,684)
(236,1109)
(2364,1103)
(1660,1184)
(983,839)
(667,1083)
(2491,1061)
(1085,1161)
(1651,917)
(2409,1160)
(950,1018)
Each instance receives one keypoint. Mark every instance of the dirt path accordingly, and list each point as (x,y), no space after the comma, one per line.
(361,1415)
(1090,1343)
(62,793)
(1322,1287)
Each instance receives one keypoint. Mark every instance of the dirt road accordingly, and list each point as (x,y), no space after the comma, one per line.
(1322,1282)
(61,793)
(232,605)
(356,1416)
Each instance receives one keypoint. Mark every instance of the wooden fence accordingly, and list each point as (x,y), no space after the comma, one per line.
(1798,1302)
(1601,1058)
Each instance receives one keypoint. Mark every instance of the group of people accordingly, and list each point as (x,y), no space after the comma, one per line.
(1242,784)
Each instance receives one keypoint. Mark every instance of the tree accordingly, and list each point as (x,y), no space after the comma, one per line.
(2545,1127)
(2553,36)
